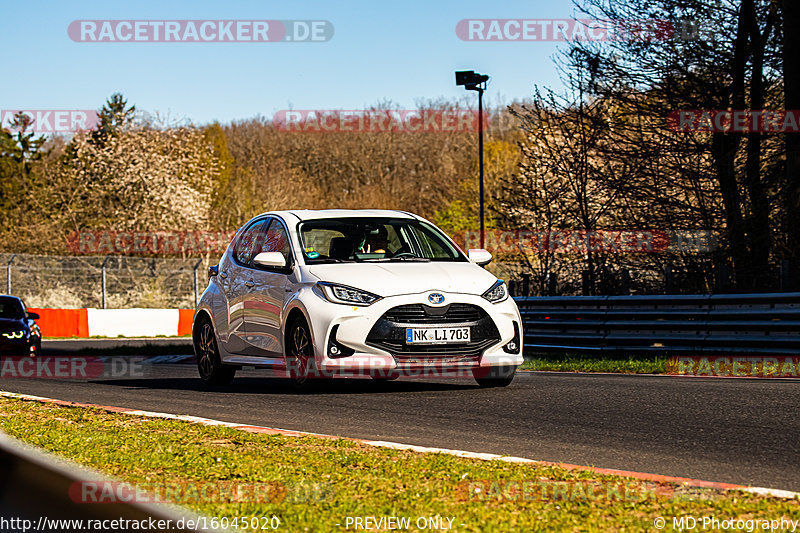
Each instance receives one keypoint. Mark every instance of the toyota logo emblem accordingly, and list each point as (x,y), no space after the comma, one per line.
(436,298)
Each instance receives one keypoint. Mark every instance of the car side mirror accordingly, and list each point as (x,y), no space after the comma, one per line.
(34,316)
(213,270)
(479,256)
(270,259)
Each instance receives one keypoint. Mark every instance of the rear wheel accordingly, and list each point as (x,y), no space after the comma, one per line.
(209,365)
(495,376)
(300,358)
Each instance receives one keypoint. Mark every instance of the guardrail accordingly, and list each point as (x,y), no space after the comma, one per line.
(35,486)
(719,323)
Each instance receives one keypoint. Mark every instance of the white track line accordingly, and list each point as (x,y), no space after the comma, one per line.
(778,493)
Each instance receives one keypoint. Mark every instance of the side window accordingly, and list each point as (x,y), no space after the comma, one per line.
(275,240)
(249,241)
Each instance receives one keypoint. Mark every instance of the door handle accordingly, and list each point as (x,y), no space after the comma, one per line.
(223,274)
(249,284)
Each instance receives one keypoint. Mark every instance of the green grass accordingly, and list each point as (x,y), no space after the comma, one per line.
(357,480)
(643,364)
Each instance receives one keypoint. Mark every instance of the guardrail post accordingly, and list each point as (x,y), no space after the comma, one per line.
(8,273)
(585,283)
(723,278)
(196,284)
(552,283)
(626,281)
(669,279)
(526,285)
(786,283)
(103,281)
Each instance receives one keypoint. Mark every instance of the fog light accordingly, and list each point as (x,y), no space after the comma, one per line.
(335,348)
(513,346)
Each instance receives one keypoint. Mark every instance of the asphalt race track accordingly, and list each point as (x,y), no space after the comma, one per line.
(730,430)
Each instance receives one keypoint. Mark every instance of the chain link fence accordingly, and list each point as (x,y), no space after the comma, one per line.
(113,282)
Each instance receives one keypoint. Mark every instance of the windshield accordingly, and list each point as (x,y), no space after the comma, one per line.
(11,308)
(339,240)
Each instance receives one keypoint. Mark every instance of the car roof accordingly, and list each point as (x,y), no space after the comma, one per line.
(313,214)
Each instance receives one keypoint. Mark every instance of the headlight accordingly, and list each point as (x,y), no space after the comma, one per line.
(342,294)
(14,334)
(497,293)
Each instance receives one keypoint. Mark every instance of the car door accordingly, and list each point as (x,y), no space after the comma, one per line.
(267,298)
(236,281)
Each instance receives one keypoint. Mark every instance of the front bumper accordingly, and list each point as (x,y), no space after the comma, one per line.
(16,347)
(374,341)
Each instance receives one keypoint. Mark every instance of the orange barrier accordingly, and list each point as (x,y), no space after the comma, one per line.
(62,322)
(75,322)
(185,317)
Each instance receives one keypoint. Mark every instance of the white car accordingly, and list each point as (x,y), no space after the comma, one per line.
(354,292)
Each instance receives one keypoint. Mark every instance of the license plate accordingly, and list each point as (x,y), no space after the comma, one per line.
(437,335)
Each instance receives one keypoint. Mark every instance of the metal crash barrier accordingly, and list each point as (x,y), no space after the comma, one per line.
(720,323)
(35,495)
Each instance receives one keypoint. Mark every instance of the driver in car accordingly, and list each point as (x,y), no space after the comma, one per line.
(376,241)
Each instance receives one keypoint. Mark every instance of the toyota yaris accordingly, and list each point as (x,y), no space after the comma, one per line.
(369,292)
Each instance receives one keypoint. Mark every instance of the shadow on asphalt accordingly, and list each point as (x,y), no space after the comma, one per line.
(269,385)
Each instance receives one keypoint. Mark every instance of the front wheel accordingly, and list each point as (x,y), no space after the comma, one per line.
(495,376)
(37,348)
(300,358)
(209,365)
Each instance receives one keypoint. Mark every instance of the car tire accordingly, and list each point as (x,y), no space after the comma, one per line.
(496,376)
(209,364)
(301,365)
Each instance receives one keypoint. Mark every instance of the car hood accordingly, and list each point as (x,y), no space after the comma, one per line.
(392,279)
(11,324)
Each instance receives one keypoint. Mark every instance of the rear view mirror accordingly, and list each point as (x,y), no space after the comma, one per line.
(34,316)
(270,259)
(213,270)
(479,256)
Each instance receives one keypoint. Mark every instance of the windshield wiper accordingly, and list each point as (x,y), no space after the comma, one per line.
(410,258)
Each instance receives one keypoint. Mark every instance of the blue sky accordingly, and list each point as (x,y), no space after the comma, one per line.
(401,52)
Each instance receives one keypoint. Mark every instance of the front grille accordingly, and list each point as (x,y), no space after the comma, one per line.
(388,334)
(424,314)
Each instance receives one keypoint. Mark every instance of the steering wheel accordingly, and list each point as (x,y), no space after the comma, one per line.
(404,254)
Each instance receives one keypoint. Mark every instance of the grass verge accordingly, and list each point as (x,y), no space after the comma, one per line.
(640,364)
(350,479)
